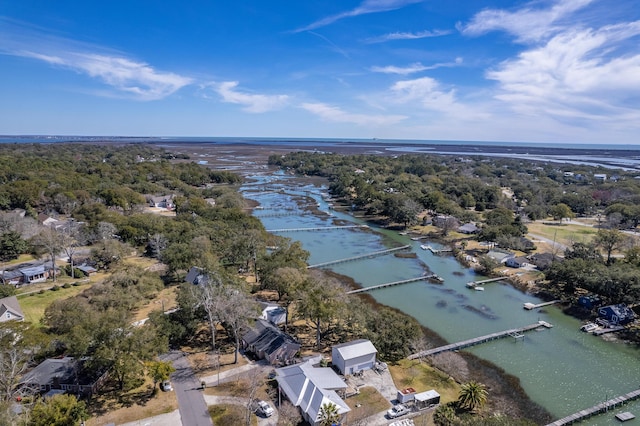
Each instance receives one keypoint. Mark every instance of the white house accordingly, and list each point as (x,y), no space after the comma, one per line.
(10,309)
(273,313)
(309,388)
(355,356)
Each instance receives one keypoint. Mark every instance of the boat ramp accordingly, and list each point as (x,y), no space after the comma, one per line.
(597,409)
(514,332)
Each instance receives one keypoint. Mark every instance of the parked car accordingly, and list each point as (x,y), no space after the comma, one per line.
(397,411)
(264,409)
(166,386)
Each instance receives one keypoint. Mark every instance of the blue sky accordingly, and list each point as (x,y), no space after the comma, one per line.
(497,70)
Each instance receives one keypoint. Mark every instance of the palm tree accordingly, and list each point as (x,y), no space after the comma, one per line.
(472,395)
(328,414)
(444,415)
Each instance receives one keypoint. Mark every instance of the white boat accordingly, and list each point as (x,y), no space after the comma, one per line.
(589,327)
(478,288)
(424,247)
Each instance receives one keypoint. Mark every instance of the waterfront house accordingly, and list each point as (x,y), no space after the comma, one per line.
(309,388)
(468,228)
(516,262)
(66,374)
(267,341)
(10,309)
(617,314)
(353,357)
(273,313)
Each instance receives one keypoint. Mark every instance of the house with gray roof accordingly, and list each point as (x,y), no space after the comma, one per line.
(309,388)
(268,342)
(196,276)
(66,374)
(353,357)
(10,309)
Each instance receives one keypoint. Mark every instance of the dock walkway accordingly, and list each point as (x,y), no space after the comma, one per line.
(360,256)
(597,409)
(514,332)
(529,306)
(319,228)
(375,287)
(472,284)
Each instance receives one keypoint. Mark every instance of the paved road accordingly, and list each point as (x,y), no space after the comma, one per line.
(193,409)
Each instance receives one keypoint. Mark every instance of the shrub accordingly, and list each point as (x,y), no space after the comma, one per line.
(55,288)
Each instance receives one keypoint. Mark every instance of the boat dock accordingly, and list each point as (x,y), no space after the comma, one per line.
(361,256)
(320,228)
(514,332)
(607,330)
(597,409)
(529,306)
(435,251)
(472,284)
(375,287)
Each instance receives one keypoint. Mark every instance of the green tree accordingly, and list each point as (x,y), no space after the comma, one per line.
(609,240)
(561,211)
(320,300)
(159,371)
(59,410)
(472,395)
(328,414)
(444,415)
(12,246)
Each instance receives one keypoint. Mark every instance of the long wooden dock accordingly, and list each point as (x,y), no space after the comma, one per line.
(597,409)
(472,284)
(529,306)
(358,257)
(375,287)
(514,332)
(319,228)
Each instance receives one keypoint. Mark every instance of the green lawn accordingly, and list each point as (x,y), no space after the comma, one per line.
(33,305)
(563,234)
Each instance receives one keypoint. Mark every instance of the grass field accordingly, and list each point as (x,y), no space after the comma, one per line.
(422,377)
(565,234)
(367,403)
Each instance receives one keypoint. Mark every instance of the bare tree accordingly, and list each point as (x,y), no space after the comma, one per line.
(157,244)
(51,241)
(211,296)
(236,313)
(255,381)
(288,414)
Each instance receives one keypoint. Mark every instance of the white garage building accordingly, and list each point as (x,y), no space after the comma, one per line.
(352,357)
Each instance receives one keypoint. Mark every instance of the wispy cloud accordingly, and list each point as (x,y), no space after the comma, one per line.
(255,103)
(527,24)
(407,36)
(414,68)
(579,74)
(337,115)
(332,44)
(366,7)
(128,78)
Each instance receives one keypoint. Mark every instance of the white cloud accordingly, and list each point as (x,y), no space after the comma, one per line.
(337,115)
(366,7)
(414,68)
(256,103)
(526,24)
(407,36)
(129,78)
(578,74)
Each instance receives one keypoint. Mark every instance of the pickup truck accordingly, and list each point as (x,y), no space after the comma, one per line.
(397,411)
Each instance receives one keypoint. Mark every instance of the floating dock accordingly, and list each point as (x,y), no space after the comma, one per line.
(361,256)
(375,287)
(529,306)
(597,409)
(435,251)
(514,332)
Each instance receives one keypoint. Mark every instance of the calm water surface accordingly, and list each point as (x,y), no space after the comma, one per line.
(562,369)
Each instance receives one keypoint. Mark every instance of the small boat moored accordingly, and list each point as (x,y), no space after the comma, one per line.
(589,327)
